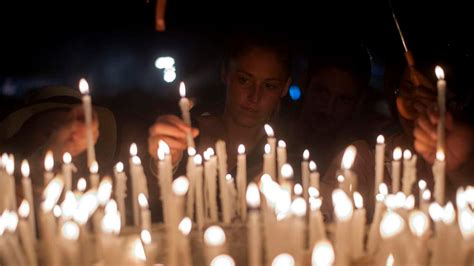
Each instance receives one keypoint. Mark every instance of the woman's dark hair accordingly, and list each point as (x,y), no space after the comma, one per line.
(240,43)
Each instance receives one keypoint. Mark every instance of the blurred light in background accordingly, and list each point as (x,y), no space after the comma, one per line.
(167,63)
(295,92)
(169,74)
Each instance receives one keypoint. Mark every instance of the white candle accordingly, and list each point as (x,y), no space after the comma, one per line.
(110,229)
(214,240)
(48,167)
(199,192)
(120,190)
(242,181)
(145,212)
(210,171)
(317,229)
(421,186)
(28,193)
(10,170)
(441,85)
(283,259)
(135,184)
(184,104)
(379,162)
(271,140)
(190,172)
(305,174)
(67,171)
(185,227)
(9,223)
(439,177)
(267,161)
(397,155)
(180,188)
(149,247)
(27,236)
(87,104)
(322,254)
(70,234)
(343,211)
(418,223)
(358,227)
(298,210)
(425,201)
(374,232)
(165,177)
(94,176)
(287,178)
(409,171)
(281,157)
(223,260)
(224,194)
(254,237)
(314,175)
(392,226)
(232,195)
(350,178)
(47,221)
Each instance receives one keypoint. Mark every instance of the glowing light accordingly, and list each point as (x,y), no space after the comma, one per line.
(25,168)
(191,151)
(315,203)
(426,195)
(383,189)
(164,62)
(440,156)
(57,211)
(111,223)
(222,260)
(340,178)
(51,194)
(298,207)
(197,159)
(83,86)
(449,214)
(283,259)
(323,254)
(145,236)
(142,201)
(214,236)
(133,149)
(358,200)
(105,190)
(67,158)
(267,148)
(136,160)
(241,149)
(295,92)
(390,260)
(313,192)
(10,220)
(182,89)
(406,154)
(138,250)
(380,139)
(269,131)
(298,189)
(342,205)
(286,171)
(281,144)
(49,161)
(24,209)
(348,157)
(253,196)
(409,202)
(422,184)
(397,153)
(418,223)
(119,167)
(312,166)
(185,226)
(439,72)
(111,206)
(81,184)
(392,224)
(180,186)
(94,169)
(306,155)
(70,230)
(166,148)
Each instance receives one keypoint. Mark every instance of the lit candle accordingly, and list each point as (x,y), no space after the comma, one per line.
(222,260)
(441,85)
(214,240)
(283,259)
(267,161)
(210,172)
(27,236)
(316,226)
(28,193)
(305,174)
(199,190)
(298,210)
(281,157)
(67,171)
(409,171)
(350,178)
(135,184)
(358,226)
(138,253)
(109,237)
(180,188)
(391,227)
(94,176)
(418,223)
(120,190)
(70,234)
(286,182)
(439,177)
(241,179)
(379,162)
(271,140)
(422,186)
(425,201)
(190,172)
(185,106)
(314,175)
(224,195)
(145,212)
(254,237)
(10,170)
(185,227)
(397,155)
(10,224)
(87,104)
(232,195)
(149,246)
(323,254)
(374,232)
(165,177)
(343,211)
(48,167)
(47,221)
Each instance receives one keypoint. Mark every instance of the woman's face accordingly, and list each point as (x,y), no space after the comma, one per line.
(255,83)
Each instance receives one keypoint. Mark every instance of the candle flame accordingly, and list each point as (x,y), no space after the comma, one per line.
(229,178)
(142,201)
(94,169)
(286,171)
(111,223)
(306,154)
(10,166)
(180,186)
(81,184)
(313,192)
(10,220)
(105,190)
(191,151)
(418,223)
(461,200)
(24,209)
(111,206)
(138,250)
(269,131)
(182,89)
(409,203)
(25,168)
(397,153)
(298,189)
(222,260)
(163,145)
(282,203)
(211,151)
(358,200)
(253,196)
(267,148)
(390,260)
(67,158)
(145,237)
(312,166)
(449,214)
(283,259)
(136,160)
(57,211)
(49,161)
(342,205)
(241,149)
(298,207)
(466,223)
(348,157)
(51,193)
(391,225)
(70,231)
(440,156)
(214,236)
(422,184)
(133,149)
(426,195)
(340,178)
(380,139)
(315,203)
(379,198)
(436,212)
(406,154)
(69,205)
(4,159)
(281,144)
(383,189)
(88,204)
(323,254)
(119,167)
(439,72)
(185,226)
(206,155)
(197,159)
(83,86)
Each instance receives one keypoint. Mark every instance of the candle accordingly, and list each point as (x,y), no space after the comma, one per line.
(190,172)
(241,179)
(422,187)
(317,229)
(47,221)
(391,226)
(425,201)
(298,210)
(358,227)
(224,194)
(28,193)
(105,191)
(10,170)
(67,171)
(10,224)
(185,227)
(397,155)
(409,171)
(70,234)
(48,166)
(286,182)
(110,230)
(314,175)
(199,190)
(322,254)
(419,224)
(81,185)
(254,237)
(210,171)
(271,140)
(441,85)
(138,252)
(149,247)
(94,176)
(439,177)
(281,157)
(27,236)
(305,174)
(267,161)
(283,259)
(87,104)
(145,212)
(135,184)
(185,106)
(223,260)
(349,184)
(180,188)
(343,211)
(165,177)
(214,240)
(379,162)
(120,190)
(232,195)
(374,235)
